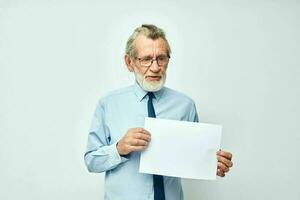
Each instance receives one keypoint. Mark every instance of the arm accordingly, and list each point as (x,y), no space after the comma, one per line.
(100,155)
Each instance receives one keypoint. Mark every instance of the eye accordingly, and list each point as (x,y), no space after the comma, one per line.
(146,59)
(161,58)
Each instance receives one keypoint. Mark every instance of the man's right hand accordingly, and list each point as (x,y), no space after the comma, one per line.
(136,139)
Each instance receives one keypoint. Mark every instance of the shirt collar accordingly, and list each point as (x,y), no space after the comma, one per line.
(140,93)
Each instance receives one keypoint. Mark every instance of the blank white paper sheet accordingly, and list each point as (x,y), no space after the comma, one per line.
(181,149)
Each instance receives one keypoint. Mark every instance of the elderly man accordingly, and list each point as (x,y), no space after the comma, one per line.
(116,136)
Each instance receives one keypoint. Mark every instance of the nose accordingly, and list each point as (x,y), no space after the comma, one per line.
(154,67)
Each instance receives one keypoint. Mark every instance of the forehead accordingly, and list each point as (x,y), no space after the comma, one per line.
(147,46)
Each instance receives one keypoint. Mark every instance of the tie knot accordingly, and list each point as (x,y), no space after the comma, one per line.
(151,95)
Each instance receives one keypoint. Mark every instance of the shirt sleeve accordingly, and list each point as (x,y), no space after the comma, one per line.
(193,114)
(100,155)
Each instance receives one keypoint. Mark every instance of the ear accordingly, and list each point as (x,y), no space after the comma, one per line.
(129,63)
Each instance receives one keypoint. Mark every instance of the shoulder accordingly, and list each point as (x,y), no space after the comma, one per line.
(179,96)
(182,104)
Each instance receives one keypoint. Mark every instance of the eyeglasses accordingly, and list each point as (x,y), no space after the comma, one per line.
(160,60)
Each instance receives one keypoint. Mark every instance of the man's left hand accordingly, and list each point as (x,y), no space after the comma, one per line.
(224,162)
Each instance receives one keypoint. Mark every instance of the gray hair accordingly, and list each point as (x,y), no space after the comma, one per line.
(150,31)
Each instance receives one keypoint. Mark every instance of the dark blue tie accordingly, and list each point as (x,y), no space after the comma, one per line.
(158,181)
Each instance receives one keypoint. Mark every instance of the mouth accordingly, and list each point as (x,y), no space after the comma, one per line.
(153,78)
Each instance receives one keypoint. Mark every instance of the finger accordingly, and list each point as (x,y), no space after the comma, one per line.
(220,173)
(138,142)
(223,167)
(134,131)
(225,154)
(137,148)
(225,161)
(142,136)
(140,130)
(146,131)
(228,155)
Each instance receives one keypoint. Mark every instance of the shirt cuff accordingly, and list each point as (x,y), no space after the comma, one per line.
(115,157)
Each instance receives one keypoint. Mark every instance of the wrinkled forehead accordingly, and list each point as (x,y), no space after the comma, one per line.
(147,46)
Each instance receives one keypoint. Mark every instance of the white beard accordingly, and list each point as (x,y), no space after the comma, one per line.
(148,85)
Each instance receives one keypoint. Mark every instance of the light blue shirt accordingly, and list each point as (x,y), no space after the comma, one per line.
(115,114)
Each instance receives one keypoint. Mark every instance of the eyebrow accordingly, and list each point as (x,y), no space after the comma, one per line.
(159,55)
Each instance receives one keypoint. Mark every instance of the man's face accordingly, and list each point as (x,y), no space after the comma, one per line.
(150,78)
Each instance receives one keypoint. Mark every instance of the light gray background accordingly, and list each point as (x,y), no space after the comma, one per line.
(239,61)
